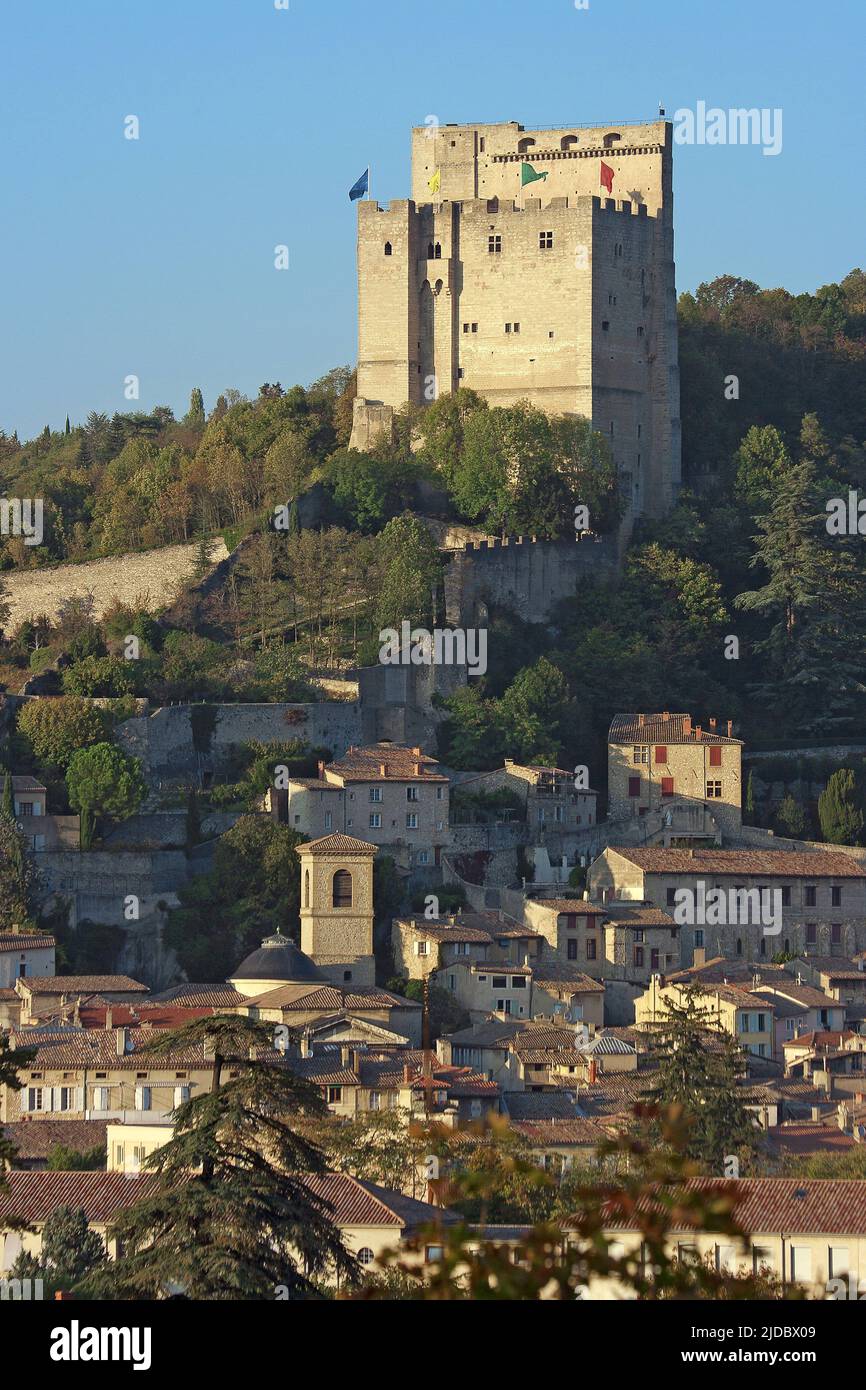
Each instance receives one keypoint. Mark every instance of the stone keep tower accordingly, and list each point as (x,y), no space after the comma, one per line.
(337,908)
(551,293)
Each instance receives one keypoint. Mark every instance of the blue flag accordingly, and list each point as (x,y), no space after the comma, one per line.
(361,187)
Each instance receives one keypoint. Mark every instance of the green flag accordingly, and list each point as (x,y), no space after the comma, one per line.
(529,175)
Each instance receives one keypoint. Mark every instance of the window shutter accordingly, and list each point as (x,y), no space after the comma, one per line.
(667,786)
(78,1098)
(661,753)
(716,756)
(24,1100)
(634,786)
(52,1094)
(139,1097)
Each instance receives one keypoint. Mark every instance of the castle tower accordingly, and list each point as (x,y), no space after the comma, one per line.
(337,908)
(566,298)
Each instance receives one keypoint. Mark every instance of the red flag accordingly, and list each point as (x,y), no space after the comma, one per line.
(607,176)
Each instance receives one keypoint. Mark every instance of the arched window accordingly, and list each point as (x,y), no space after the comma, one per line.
(342,889)
(437,252)
(739,946)
(387,248)
(568,142)
(525,144)
(365,1255)
(611,138)
(437,287)
(429,250)
(306,888)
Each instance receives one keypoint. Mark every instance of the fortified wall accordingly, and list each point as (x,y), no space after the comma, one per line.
(524,574)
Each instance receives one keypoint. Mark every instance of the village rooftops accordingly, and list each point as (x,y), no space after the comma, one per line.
(762,1206)
(666,728)
(733,863)
(388,762)
(578,907)
(80,984)
(834,967)
(21,941)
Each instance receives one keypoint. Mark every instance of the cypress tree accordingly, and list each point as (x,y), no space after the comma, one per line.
(840,809)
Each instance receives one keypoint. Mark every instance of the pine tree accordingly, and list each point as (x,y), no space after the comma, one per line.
(231,1216)
(750,798)
(698,1067)
(7,806)
(70,1251)
(791,817)
(840,809)
(68,426)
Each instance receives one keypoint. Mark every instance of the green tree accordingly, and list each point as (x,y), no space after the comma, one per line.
(195,417)
(761,461)
(698,1065)
(791,818)
(411,571)
(55,729)
(99,676)
(252,891)
(103,781)
(231,1216)
(18,879)
(840,809)
(533,713)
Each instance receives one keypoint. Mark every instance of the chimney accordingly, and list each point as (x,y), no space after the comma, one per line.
(76,1012)
(591,1072)
(356,1061)
(121,1041)
(417,752)
(700,956)
(321,769)
(699,733)
(641,720)
(383,769)
(417,769)
(712,726)
(109,1017)
(666,714)
(407,1074)
(730,727)
(345,1055)
(687,725)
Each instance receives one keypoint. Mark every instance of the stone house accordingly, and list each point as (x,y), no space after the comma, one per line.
(41,830)
(822,896)
(655,761)
(23,955)
(747,1017)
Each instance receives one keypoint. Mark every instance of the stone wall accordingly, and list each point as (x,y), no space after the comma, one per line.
(527,576)
(153,575)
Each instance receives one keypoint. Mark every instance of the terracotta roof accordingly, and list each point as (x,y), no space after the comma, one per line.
(820,1038)
(810,1138)
(154,1015)
(638,916)
(338,844)
(805,995)
(357,1202)
(328,998)
(837,967)
(97,1048)
(25,941)
(24,783)
(530,1106)
(578,1131)
(799,1206)
(199,996)
(35,1139)
(34,1196)
(663,729)
(444,930)
(574,906)
(364,765)
(771,863)
(82,984)
(560,972)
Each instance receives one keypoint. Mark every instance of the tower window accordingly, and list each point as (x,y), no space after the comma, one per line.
(342,889)
(387,248)
(640,331)
(306,888)
(429,250)
(605,325)
(437,252)
(494,244)
(481,145)
(475,328)
(545,241)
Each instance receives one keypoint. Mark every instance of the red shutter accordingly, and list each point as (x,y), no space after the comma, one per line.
(667,786)
(716,755)
(661,754)
(634,786)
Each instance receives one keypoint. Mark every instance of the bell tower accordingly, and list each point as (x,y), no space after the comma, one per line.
(337,908)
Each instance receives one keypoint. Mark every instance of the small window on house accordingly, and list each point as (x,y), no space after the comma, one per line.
(671,897)
(494,244)
(811,895)
(786,896)
(811,933)
(640,331)
(481,145)
(836,897)
(466,328)
(387,248)
(661,753)
(667,786)
(550,333)
(739,945)
(638,957)
(590,950)
(716,755)
(714,790)
(508,328)
(634,786)
(365,1254)
(429,250)
(341,895)
(517,328)
(475,328)
(545,241)
(836,933)
(605,325)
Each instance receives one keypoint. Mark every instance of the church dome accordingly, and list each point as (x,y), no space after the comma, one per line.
(280,961)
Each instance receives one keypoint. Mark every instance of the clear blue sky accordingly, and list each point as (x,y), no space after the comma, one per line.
(156,257)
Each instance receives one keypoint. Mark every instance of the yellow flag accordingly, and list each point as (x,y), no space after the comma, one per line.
(435,183)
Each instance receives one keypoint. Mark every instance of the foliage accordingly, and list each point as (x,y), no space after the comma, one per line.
(56,728)
(841,809)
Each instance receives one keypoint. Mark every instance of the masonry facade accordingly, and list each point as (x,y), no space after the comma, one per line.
(565,299)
